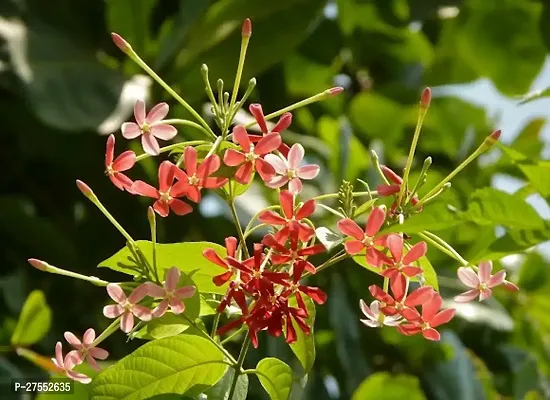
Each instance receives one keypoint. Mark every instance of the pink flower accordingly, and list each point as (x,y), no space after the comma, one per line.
(250,159)
(430,319)
(167,193)
(401,266)
(197,176)
(126,306)
(85,348)
(170,294)
(283,123)
(376,318)
(123,162)
(366,239)
(150,127)
(67,364)
(290,171)
(481,283)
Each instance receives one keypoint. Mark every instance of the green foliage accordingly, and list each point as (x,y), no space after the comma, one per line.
(383,386)
(183,364)
(220,391)
(186,256)
(276,378)
(304,346)
(34,320)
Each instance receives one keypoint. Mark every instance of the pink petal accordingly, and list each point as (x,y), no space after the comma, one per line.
(268,143)
(164,131)
(375,221)
(117,182)
(93,363)
(77,376)
(265,170)
(497,279)
(130,130)
(150,144)
(139,112)
(177,305)
(241,137)
(110,150)
(431,334)
(73,340)
(417,251)
(467,296)
(138,294)
(233,157)
(125,161)
(116,293)
(73,358)
(157,113)
(98,353)
(185,292)
(395,244)
(468,277)
(309,171)
(154,290)
(160,310)
(209,166)
(127,322)
(89,337)
(295,156)
(354,246)
(366,310)
(485,294)
(172,279)
(162,208)
(144,189)
(277,163)
(277,182)
(59,355)
(484,271)
(370,323)
(350,228)
(113,311)
(295,186)
(442,317)
(142,312)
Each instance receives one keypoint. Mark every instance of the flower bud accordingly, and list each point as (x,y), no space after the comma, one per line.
(41,265)
(491,140)
(247,28)
(511,287)
(426,98)
(85,189)
(151,215)
(120,42)
(335,90)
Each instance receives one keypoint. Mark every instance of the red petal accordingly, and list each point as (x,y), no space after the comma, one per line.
(375,221)
(392,176)
(349,227)
(244,173)
(231,245)
(125,161)
(180,207)
(387,190)
(395,244)
(265,169)
(110,150)
(256,110)
(412,271)
(166,175)
(190,159)
(316,294)
(287,203)
(161,208)
(268,144)
(354,246)
(271,218)
(233,157)
(210,165)
(306,210)
(219,280)
(144,189)
(283,123)
(213,182)
(431,307)
(442,317)
(431,334)
(380,295)
(312,250)
(420,296)
(212,256)
(241,137)
(417,251)
(398,286)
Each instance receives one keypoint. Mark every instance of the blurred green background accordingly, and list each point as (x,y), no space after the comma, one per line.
(64,86)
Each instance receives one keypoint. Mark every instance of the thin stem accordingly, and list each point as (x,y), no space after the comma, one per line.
(92,279)
(166,87)
(239,366)
(238,332)
(172,147)
(249,372)
(186,123)
(354,194)
(107,332)
(112,219)
(215,146)
(333,260)
(215,325)
(239,228)
(254,229)
(443,246)
(410,158)
(242,56)
(210,339)
(255,216)
(153,224)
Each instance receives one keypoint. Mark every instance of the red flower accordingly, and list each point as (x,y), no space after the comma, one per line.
(288,216)
(168,192)
(197,176)
(398,304)
(400,267)
(123,162)
(283,123)
(314,293)
(391,189)
(366,239)
(250,159)
(430,319)
(212,256)
(293,254)
(234,292)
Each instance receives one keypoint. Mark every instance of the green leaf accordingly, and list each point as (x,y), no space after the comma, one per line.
(170,324)
(207,306)
(186,256)
(275,377)
(533,273)
(383,386)
(363,208)
(434,217)
(304,346)
(183,364)
(494,207)
(131,20)
(328,238)
(220,391)
(34,321)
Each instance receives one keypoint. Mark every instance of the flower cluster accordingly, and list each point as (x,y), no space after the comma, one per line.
(264,285)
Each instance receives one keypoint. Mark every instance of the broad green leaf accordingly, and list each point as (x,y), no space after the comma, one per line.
(207,306)
(275,377)
(383,385)
(434,217)
(131,20)
(529,141)
(533,273)
(304,346)
(34,320)
(220,391)
(183,364)
(490,206)
(187,256)
(363,208)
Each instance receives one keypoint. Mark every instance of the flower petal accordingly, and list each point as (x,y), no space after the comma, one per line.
(387,190)
(127,322)
(295,156)
(172,279)
(271,218)
(244,173)
(233,157)
(138,294)
(283,123)
(212,256)
(468,277)
(265,169)
(287,203)
(190,160)
(295,186)
(306,210)
(157,113)
(125,161)
(375,221)
(110,150)
(366,310)
(77,376)
(277,163)
(256,110)
(370,323)
(98,353)
(277,182)
(162,208)
(116,293)
(160,309)
(144,189)
(417,251)
(166,174)
(431,334)
(185,292)
(485,294)
(354,246)
(395,244)
(210,165)
(350,228)
(309,171)
(442,317)
(72,340)
(88,337)
(497,279)
(130,130)
(164,131)
(142,312)
(150,144)
(268,143)
(241,137)
(431,307)
(467,296)
(139,112)
(177,305)
(112,311)
(392,176)
(180,207)
(484,271)
(154,290)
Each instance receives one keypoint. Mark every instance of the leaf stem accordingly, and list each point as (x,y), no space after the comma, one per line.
(239,366)
(172,147)
(443,246)
(92,279)
(186,122)
(238,332)
(107,332)
(215,325)
(239,228)
(354,194)
(333,260)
